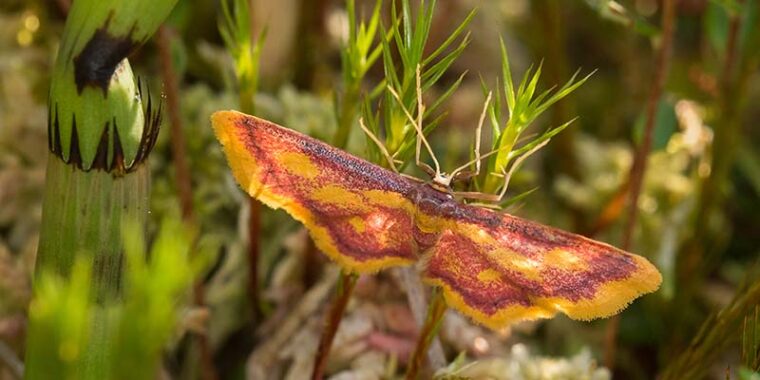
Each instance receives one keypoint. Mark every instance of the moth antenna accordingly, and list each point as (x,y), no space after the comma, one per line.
(478,134)
(420,115)
(413,178)
(490,206)
(393,156)
(517,164)
(489,154)
(379,144)
(418,129)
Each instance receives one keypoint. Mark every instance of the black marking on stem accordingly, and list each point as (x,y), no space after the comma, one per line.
(96,63)
(151,128)
(75,155)
(56,135)
(117,165)
(101,154)
(50,128)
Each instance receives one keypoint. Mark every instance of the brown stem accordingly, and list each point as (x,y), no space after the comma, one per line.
(639,166)
(310,41)
(182,177)
(63,6)
(177,140)
(254,231)
(436,309)
(344,289)
(247,99)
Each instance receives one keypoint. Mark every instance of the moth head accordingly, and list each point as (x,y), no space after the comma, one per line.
(442,182)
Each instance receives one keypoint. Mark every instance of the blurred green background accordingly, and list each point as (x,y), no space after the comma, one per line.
(698,210)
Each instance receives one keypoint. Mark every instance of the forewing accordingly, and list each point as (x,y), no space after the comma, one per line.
(499,269)
(355,211)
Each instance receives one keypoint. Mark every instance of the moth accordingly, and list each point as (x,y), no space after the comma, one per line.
(493,267)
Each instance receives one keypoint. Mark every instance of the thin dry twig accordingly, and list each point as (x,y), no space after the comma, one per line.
(639,166)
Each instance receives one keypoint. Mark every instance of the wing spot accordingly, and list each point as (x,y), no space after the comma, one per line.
(298,164)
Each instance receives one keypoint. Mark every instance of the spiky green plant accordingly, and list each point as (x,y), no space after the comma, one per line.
(409,37)
(100,135)
(236,31)
(357,56)
(523,109)
(62,342)
(505,157)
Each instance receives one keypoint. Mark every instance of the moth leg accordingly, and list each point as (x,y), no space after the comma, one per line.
(417,124)
(413,178)
(475,195)
(492,206)
(497,198)
(420,134)
(516,165)
(379,144)
(459,174)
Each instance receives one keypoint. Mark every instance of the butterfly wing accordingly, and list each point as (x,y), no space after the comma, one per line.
(499,269)
(355,211)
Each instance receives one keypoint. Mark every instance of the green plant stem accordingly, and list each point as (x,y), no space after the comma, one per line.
(83,215)
(639,167)
(750,342)
(436,310)
(343,291)
(347,111)
(97,178)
